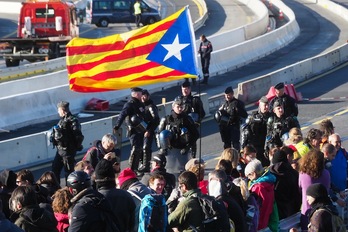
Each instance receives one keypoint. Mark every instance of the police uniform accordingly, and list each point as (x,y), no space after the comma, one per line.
(184,135)
(134,108)
(205,48)
(193,104)
(254,132)
(152,120)
(234,111)
(67,138)
(289,103)
(278,127)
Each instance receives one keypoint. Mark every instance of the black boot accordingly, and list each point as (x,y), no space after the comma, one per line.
(205,80)
(145,166)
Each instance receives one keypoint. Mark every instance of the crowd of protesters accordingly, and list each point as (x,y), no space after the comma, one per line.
(259,185)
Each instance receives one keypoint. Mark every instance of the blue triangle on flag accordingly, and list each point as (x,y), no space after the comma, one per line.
(180,30)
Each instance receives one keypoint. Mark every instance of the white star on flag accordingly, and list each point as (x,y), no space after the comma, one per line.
(174,49)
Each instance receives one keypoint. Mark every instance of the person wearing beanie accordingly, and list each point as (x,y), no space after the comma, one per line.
(127,180)
(158,164)
(322,210)
(262,185)
(287,195)
(121,201)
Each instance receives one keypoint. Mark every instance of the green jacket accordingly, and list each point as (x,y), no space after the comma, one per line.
(187,213)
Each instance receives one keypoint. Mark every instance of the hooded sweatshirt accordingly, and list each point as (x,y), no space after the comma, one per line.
(263,187)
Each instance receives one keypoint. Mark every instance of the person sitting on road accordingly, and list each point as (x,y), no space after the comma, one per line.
(60,205)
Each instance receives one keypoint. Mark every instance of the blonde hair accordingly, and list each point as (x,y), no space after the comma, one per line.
(198,170)
(243,185)
(230,154)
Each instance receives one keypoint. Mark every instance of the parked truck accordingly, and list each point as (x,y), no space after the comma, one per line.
(44,29)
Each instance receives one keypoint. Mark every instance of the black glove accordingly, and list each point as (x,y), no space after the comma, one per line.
(184,151)
(115,129)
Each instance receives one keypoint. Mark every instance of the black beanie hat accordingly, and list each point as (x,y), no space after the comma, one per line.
(104,171)
(279,156)
(317,191)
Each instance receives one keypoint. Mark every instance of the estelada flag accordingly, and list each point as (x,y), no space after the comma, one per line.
(160,52)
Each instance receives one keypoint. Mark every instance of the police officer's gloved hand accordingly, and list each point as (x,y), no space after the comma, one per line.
(184,151)
(115,129)
(163,152)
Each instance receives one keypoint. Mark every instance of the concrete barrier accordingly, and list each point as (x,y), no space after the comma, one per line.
(251,90)
(25,154)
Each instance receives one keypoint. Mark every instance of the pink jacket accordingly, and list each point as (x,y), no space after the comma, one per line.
(63,221)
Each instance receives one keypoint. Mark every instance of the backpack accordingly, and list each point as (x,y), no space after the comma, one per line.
(153,214)
(337,222)
(215,215)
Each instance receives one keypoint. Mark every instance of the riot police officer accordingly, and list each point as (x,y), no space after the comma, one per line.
(134,112)
(278,125)
(192,106)
(177,135)
(229,117)
(152,119)
(254,131)
(67,138)
(289,103)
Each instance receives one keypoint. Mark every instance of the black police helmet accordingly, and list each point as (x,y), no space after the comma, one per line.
(78,180)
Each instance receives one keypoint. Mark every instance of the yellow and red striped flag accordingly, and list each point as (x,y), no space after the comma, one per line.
(160,52)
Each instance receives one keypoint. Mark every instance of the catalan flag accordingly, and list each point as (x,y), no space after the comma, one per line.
(160,52)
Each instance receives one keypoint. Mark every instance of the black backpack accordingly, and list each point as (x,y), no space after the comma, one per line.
(215,214)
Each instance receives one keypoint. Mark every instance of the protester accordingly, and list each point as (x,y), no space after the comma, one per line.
(188,213)
(7,185)
(262,184)
(60,205)
(127,180)
(218,188)
(84,166)
(91,211)
(286,192)
(49,181)
(197,166)
(103,149)
(312,141)
(5,224)
(311,171)
(158,164)
(27,213)
(121,201)
(157,183)
(327,128)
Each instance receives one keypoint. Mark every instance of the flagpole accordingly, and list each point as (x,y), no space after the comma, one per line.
(193,39)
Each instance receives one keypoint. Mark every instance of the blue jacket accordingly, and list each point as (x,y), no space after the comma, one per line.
(338,171)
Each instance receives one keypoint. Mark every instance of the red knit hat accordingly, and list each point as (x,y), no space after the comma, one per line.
(125,175)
